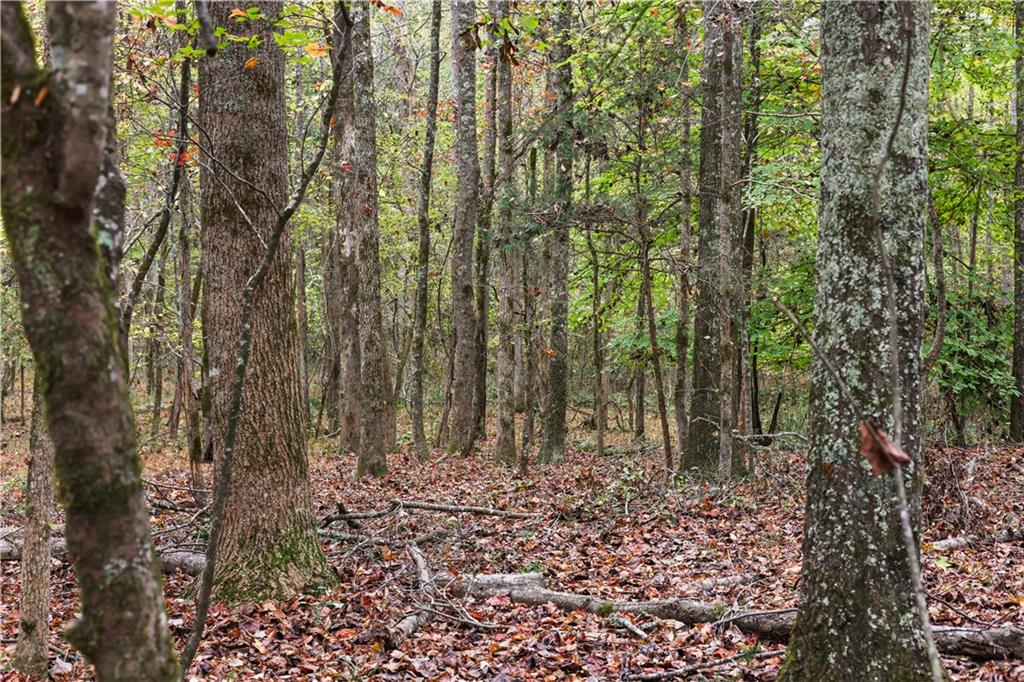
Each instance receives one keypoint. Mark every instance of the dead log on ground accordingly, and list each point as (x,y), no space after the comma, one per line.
(171,559)
(407,627)
(1009,535)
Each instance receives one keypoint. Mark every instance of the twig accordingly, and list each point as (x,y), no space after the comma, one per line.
(751,614)
(679,672)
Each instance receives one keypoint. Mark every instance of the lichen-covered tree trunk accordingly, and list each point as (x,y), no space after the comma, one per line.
(556,397)
(508,256)
(857,619)
(377,411)
(268,545)
(468,171)
(423,228)
(708,442)
(682,336)
(32,653)
(53,149)
(1017,405)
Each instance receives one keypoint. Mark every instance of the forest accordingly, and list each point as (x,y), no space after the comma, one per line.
(512,340)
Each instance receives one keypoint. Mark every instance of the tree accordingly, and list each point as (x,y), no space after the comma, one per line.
(268,545)
(682,336)
(1017,405)
(55,126)
(856,619)
(555,399)
(376,408)
(710,419)
(468,171)
(504,190)
(423,229)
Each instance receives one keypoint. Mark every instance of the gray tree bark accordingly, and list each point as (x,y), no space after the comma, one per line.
(682,336)
(857,617)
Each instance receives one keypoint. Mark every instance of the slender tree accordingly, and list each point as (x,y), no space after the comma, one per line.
(708,447)
(1017,406)
(857,616)
(556,397)
(423,229)
(268,543)
(55,126)
(466,212)
(682,336)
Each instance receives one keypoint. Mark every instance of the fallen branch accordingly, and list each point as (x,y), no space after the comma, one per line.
(1010,535)
(408,626)
(343,515)
(1006,641)
(171,559)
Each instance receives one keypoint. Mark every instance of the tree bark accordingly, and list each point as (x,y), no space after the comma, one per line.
(423,228)
(1017,405)
(268,544)
(708,447)
(682,337)
(53,156)
(857,617)
(466,211)
(504,190)
(556,397)
(193,427)
(32,653)
(376,409)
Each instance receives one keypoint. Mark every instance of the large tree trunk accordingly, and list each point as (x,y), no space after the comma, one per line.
(268,545)
(857,619)
(53,157)
(468,170)
(423,227)
(1017,405)
(556,397)
(32,653)
(505,448)
(377,411)
(708,447)
(682,337)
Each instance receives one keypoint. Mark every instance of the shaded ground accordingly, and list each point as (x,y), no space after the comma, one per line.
(609,528)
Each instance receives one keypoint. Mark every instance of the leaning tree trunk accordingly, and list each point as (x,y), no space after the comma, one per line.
(423,227)
(468,171)
(857,619)
(505,447)
(268,544)
(32,653)
(55,125)
(708,440)
(377,409)
(556,398)
(1017,405)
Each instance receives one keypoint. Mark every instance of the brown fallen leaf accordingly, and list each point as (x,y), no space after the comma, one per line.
(879,449)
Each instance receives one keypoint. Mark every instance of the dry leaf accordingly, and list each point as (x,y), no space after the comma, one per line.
(879,449)
(250,62)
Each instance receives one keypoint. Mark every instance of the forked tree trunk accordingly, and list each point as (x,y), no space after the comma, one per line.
(857,618)
(468,171)
(268,543)
(53,157)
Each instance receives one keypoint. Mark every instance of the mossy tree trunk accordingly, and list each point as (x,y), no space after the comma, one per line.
(557,394)
(53,156)
(461,429)
(708,447)
(857,619)
(268,545)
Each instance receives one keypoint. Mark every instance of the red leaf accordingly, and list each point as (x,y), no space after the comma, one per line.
(878,448)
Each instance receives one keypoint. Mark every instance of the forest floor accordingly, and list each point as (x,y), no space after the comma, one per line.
(607,527)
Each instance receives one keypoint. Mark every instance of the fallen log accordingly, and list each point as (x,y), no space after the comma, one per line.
(407,627)
(1009,535)
(171,559)
(347,516)
(1005,641)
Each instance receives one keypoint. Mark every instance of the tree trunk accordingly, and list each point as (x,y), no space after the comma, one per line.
(505,448)
(157,332)
(377,411)
(709,440)
(53,158)
(857,618)
(193,428)
(1017,405)
(682,338)
(268,544)
(32,653)
(556,397)
(423,227)
(466,212)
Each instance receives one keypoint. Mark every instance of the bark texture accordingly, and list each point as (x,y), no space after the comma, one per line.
(556,396)
(681,389)
(708,447)
(857,619)
(460,437)
(52,157)
(268,545)
(1017,405)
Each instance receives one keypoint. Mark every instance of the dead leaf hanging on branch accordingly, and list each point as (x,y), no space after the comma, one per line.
(879,449)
